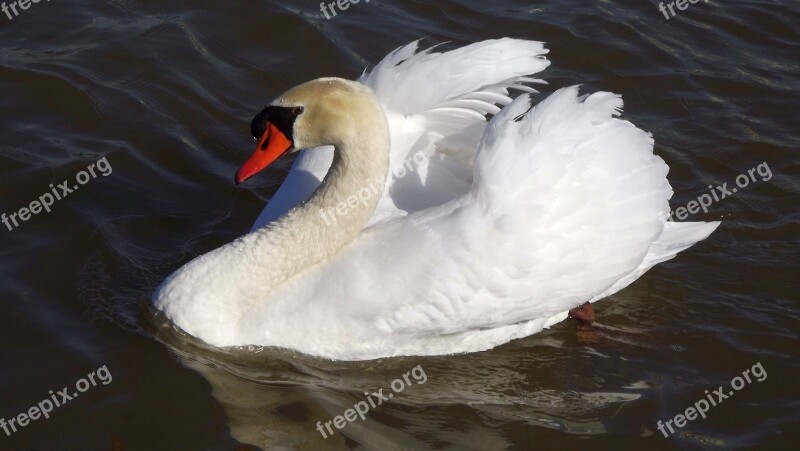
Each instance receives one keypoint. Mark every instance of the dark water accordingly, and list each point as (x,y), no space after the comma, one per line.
(165,94)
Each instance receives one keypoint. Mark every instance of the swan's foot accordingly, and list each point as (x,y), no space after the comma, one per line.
(583,313)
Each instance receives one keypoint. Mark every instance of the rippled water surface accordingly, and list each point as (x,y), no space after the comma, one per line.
(164,91)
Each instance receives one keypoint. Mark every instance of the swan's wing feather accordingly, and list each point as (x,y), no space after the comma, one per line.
(446,97)
(568,203)
(411,82)
(437,104)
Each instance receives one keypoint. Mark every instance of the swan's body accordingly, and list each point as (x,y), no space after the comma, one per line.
(493,233)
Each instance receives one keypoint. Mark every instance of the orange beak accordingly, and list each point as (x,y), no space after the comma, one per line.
(270,147)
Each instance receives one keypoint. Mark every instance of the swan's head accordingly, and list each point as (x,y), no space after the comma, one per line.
(327,111)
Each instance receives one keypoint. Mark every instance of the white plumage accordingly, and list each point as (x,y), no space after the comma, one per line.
(495,234)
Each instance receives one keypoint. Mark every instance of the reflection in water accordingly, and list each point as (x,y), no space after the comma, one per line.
(275,398)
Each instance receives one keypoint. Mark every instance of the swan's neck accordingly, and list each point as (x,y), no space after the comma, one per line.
(333,216)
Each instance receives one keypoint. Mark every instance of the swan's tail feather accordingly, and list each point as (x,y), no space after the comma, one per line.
(676,237)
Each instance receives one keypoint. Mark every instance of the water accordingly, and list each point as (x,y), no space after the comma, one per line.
(165,93)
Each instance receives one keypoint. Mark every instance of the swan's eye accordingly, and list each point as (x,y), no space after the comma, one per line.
(281,117)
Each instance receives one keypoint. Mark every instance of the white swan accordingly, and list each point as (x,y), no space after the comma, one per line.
(495,231)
